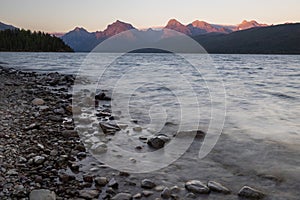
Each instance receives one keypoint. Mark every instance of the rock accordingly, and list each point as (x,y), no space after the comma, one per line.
(190,195)
(39,160)
(196,186)
(99,148)
(89,194)
(122,196)
(12,172)
(109,128)
(137,129)
(88,179)
(42,194)
(101,181)
(31,126)
(137,196)
(147,184)
(174,189)
(102,96)
(158,141)
(65,178)
(165,194)
(252,193)
(147,193)
(113,183)
(38,102)
(217,187)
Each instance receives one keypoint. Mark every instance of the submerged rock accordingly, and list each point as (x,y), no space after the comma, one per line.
(122,196)
(148,184)
(252,193)
(42,194)
(196,186)
(89,194)
(217,187)
(158,141)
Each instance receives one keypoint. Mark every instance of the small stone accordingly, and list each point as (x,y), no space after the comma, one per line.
(196,186)
(101,181)
(74,167)
(31,126)
(12,172)
(137,196)
(38,179)
(99,148)
(88,179)
(89,194)
(122,196)
(190,195)
(137,129)
(147,193)
(158,141)
(217,187)
(165,194)
(148,184)
(174,189)
(38,102)
(54,152)
(113,183)
(42,194)
(39,160)
(249,192)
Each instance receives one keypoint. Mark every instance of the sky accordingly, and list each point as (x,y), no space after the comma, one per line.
(65,15)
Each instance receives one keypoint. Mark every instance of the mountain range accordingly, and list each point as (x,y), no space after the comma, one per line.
(83,41)
(246,37)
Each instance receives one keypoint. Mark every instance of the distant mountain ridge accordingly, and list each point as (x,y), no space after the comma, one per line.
(246,37)
(82,40)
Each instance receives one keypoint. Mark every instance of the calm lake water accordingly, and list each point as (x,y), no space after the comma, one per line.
(259,145)
(262,91)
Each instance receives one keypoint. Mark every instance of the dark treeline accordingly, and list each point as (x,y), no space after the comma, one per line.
(25,40)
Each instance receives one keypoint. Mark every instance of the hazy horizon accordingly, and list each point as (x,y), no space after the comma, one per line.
(63,16)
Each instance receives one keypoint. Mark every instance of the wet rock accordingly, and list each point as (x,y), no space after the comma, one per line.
(190,195)
(174,189)
(165,194)
(137,196)
(38,102)
(196,186)
(88,179)
(137,129)
(31,127)
(39,160)
(109,128)
(101,181)
(252,193)
(147,184)
(147,193)
(99,148)
(217,187)
(113,183)
(65,178)
(158,141)
(102,96)
(42,194)
(12,172)
(89,194)
(122,196)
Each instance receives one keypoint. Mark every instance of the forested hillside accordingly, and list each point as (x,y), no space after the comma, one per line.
(25,40)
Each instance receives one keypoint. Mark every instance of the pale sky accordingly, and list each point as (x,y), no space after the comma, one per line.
(64,15)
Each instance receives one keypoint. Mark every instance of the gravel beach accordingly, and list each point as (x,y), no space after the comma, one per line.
(42,157)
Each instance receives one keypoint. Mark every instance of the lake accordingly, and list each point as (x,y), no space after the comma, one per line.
(253,100)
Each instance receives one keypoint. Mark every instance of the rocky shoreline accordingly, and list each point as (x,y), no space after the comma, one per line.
(42,157)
